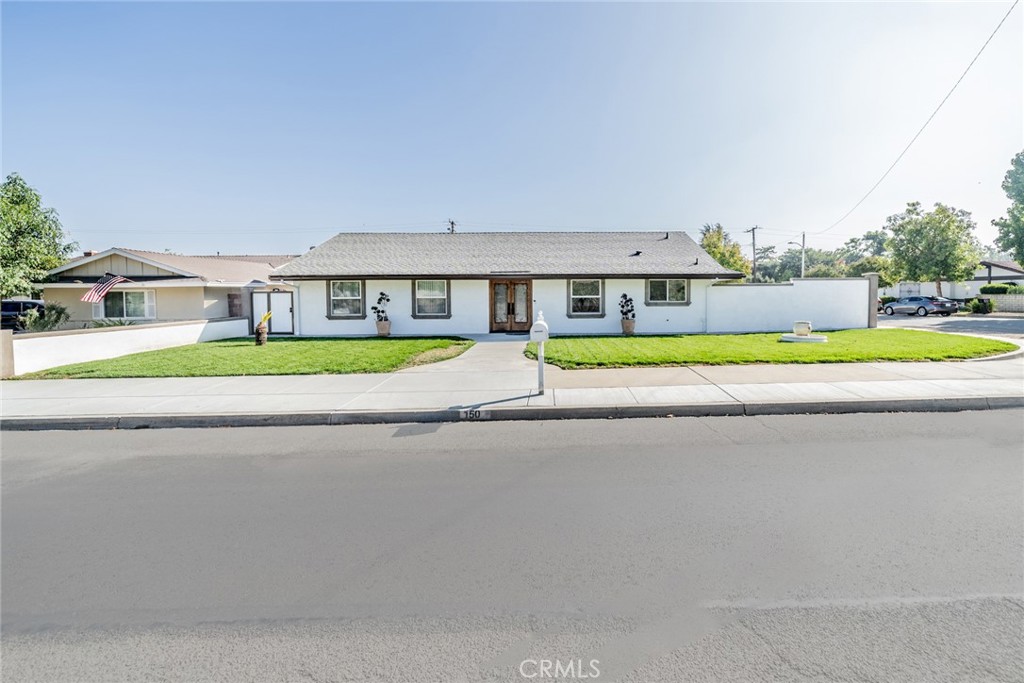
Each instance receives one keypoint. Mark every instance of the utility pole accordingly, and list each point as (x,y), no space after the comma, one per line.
(803,248)
(753,237)
(451,226)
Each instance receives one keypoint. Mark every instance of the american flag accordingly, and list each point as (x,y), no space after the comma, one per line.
(100,289)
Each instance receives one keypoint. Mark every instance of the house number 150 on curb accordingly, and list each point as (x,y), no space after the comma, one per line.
(474,414)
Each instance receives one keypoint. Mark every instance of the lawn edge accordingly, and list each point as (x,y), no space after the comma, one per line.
(1018,349)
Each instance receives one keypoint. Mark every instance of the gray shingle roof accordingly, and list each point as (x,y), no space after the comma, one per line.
(487,254)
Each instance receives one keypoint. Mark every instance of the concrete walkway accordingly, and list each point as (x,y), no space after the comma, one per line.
(493,380)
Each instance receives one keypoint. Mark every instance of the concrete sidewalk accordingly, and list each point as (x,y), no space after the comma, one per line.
(493,380)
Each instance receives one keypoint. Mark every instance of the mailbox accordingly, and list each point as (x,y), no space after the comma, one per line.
(539,330)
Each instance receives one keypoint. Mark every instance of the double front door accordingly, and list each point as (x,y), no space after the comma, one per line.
(511,305)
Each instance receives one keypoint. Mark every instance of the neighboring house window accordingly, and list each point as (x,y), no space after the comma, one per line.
(586,298)
(431,299)
(346,299)
(126,305)
(667,292)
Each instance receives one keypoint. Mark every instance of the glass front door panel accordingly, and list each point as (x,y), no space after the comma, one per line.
(500,302)
(521,303)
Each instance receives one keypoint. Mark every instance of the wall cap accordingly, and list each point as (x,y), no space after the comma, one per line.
(121,328)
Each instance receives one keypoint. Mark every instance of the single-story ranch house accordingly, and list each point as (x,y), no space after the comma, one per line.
(169,287)
(475,283)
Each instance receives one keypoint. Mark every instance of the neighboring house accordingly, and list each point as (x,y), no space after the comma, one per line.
(988,272)
(466,283)
(171,287)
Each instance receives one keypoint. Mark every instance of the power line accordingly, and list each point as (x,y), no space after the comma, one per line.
(914,139)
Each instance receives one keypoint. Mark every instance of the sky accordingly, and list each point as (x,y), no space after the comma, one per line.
(266,127)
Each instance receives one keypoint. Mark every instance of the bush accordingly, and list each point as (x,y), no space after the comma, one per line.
(981,306)
(52,317)
(888,300)
(994,289)
(112,322)
(1002,288)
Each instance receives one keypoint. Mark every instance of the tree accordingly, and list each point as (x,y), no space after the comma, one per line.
(31,238)
(1011,228)
(934,246)
(856,248)
(767,264)
(826,270)
(727,251)
(873,264)
(874,242)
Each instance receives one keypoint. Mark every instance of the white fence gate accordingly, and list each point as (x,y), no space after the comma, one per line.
(281,310)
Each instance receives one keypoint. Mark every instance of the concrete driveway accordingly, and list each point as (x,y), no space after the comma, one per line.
(1011,327)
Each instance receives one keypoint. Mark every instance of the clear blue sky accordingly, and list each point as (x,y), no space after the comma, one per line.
(267,127)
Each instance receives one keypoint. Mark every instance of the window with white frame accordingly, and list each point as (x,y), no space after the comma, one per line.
(668,292)
(345,299)
(586,298)
(126,305)
(431,299)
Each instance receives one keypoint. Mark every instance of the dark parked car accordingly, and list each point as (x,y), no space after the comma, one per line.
(922,305)
(11,311)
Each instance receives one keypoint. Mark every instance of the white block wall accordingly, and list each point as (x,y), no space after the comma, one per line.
(33,352)
(830,304)
(1006,303)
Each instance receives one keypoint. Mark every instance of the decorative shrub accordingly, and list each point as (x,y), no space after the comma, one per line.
(52,317)
(626,307)
(112,322)
(381,310)
(888,300)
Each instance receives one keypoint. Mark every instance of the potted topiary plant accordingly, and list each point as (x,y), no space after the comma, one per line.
(628,314)
(261,329)
(381,311)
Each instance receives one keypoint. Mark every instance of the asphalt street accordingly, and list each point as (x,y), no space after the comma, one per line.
(881,547)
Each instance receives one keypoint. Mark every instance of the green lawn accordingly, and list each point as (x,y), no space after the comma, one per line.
(846,346)
(296,356)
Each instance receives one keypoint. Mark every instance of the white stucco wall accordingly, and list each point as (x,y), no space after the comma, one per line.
(551,297)
(954,290)
(469,303)
(950,290)
(827,303)
(44,350)
(830,304)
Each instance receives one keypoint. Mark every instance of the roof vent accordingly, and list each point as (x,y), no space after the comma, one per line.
(89,252)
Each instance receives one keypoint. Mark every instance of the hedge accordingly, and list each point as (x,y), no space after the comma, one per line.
(1008,288)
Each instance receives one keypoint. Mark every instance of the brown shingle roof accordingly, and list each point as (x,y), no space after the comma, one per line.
(217,268)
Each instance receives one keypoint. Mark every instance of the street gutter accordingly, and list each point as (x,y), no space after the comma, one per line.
(473,414)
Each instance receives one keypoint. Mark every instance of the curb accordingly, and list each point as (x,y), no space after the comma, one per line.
(330,418)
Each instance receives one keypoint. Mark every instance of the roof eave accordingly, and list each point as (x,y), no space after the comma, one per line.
(729,275)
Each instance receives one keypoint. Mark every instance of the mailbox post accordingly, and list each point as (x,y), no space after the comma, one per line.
(539,334)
